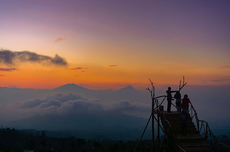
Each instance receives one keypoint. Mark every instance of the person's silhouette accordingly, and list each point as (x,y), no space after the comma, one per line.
(177,96)
(185,103)
(169,98)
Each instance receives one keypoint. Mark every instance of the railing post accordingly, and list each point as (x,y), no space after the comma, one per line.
(197,124)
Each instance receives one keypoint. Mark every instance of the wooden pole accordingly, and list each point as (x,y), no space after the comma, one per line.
(152,122)
(158,125)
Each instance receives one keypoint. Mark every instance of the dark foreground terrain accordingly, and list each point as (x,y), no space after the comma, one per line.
(12,140)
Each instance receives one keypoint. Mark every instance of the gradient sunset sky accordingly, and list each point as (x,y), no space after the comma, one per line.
(114,43)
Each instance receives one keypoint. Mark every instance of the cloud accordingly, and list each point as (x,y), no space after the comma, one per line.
(112,66)
(1,75)
(224,67)
(7,69)
(32,104)
(51,101)
(73,104)
(62,104)
(79,106)
(9,58)
(127,106)
(77,68)
(59,40)
(220,80)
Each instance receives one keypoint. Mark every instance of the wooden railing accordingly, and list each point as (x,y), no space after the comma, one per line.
(204,129)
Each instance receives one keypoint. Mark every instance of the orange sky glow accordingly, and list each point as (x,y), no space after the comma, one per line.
(106,48)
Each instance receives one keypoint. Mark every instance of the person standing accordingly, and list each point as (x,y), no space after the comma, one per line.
(169,98)
(177,96)
(185,103)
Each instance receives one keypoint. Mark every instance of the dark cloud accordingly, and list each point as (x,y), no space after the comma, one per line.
(8,69)
(9,58)
(59,40)
(112,66)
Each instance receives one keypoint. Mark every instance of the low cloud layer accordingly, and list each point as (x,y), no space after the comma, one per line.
(9,58)
(56,100)
(69,104)
(207,100)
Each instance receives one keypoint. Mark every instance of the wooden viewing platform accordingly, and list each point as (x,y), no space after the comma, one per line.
(192,141)
(170,124)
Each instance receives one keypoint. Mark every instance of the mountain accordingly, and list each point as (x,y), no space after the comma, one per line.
(128,89)
(128,93)
(23,94)
(70,88)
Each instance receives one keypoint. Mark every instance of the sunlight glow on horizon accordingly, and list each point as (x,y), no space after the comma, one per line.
(117,43)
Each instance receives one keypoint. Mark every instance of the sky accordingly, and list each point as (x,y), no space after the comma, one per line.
(101,44)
